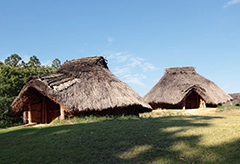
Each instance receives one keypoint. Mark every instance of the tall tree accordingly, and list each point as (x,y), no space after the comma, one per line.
(14,60)
(56,64)
(13,75)
(33,61)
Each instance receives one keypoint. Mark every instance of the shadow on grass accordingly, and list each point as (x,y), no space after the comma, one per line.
(150,140)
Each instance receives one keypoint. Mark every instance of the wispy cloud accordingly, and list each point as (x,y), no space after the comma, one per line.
(110,40)
(46,63)
(135,79)
(148,67)
(129,68)
(121,71)
(135,61)
(232,2)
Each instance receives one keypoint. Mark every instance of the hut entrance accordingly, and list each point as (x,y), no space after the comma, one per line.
(192,100)
(40,109)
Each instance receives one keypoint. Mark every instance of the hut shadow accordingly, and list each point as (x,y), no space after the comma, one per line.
(116,141)
(205,117)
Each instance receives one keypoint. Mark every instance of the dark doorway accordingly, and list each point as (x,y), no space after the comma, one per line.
(40,109)
(43,112)
(192,100)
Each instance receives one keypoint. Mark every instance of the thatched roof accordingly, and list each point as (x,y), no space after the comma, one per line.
(83,84)
(235,99)
(176,84)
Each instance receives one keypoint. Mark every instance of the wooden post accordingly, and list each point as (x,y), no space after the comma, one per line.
(24,117)
(184,105)
(202,103)
(198,100)
(62,113)
(29,114)
(43,110)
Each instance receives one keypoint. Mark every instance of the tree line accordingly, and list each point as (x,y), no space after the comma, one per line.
(14,73)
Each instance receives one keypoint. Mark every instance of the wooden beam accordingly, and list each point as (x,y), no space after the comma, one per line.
(29,114)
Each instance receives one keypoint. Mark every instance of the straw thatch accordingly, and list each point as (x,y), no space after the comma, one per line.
(178,83)
(235,99)
(83,85)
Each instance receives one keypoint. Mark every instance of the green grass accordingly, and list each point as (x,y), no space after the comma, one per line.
(227,107)
(172,139)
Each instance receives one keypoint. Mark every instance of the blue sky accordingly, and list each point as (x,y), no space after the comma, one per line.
(140,38)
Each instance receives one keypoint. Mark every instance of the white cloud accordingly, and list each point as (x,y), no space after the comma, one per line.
(148,67)
(135,61)
(110,40)
(25,58)
(129,68)
(135,79)
(116,57)
(139,76)
(232,2)
(121,58)
(121,71)
(46,63)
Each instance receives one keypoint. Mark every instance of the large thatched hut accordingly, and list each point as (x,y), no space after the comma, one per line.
(80,87)
(183,87)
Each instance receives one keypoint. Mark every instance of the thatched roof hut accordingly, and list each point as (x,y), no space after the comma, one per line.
(235,99)
(81,86)
(183,87)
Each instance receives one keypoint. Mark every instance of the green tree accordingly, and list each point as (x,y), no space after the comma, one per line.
(14,60)
(11,82)
(13,75)
(56,64)
(33,61)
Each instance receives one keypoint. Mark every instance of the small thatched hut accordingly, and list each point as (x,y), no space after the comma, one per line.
(183,87)
(235,99)
(80,87)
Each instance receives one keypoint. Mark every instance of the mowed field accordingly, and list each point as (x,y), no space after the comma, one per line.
(195,137)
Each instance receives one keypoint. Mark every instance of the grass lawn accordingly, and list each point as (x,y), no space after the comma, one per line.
(208,138)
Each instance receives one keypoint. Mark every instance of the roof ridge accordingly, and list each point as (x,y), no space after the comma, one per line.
(180,69)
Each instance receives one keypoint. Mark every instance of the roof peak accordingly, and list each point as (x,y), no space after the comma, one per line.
(89,64)
(89,59)
(180,69)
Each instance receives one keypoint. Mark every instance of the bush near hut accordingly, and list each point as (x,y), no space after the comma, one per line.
(14,72)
